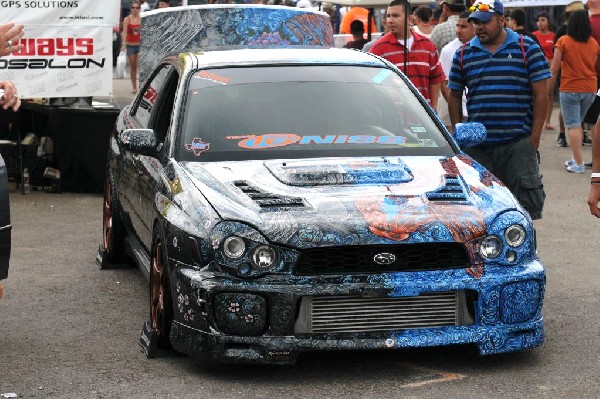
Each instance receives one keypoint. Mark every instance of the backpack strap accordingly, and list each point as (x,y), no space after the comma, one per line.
(522,43)
(462,53)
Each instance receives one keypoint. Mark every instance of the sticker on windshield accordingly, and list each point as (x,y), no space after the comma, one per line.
(418,129)
(259,142)
(427,143)
(381,76)
(197,146)
(213,77)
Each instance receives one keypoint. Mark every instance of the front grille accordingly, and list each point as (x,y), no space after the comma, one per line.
(339,314)
(361,259)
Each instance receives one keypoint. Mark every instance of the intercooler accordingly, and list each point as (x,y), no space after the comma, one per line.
(350,314)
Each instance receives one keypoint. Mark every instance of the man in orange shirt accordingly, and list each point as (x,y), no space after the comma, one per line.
(362,14)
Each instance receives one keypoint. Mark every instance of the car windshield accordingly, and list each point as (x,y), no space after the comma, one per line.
(246,113)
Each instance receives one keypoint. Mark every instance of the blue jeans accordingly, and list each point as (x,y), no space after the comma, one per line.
(574,106)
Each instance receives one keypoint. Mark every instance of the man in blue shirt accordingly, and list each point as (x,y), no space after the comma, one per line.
(505,74)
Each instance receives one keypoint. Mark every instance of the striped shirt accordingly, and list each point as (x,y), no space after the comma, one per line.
(423,65)
(500,95)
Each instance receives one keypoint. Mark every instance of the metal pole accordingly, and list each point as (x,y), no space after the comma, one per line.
(406,10)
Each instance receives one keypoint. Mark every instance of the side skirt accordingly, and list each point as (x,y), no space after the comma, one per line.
(136,251)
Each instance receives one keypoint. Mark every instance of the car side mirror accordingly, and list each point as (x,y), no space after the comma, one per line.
(469,134)
(139,141)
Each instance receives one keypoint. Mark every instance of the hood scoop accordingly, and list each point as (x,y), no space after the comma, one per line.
(453,191)
(269,202)
(340,172)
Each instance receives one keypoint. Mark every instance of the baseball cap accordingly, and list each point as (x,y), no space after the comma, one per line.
(483,10)
(574,6)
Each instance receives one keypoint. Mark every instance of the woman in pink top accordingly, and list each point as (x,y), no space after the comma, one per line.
(546,38)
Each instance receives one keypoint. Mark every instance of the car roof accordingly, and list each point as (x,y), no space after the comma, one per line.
(281,56)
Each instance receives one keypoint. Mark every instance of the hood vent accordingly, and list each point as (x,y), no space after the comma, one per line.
(452,191)
(267,201)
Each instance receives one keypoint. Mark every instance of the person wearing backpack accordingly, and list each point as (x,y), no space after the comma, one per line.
(505,74)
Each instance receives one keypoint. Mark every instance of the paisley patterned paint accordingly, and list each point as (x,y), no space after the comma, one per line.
(227,308)
(201,27)
(218,307)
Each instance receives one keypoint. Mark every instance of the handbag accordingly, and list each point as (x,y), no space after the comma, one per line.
(121,62)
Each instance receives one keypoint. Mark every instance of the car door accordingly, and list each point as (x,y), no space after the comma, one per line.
(141,174)
(152,180)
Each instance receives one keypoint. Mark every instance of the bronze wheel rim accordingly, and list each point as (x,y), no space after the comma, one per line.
(156,289)
(107,217)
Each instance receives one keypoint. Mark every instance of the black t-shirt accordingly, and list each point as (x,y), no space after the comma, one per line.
(357,44)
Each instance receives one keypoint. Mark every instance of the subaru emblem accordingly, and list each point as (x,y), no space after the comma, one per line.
(384,258)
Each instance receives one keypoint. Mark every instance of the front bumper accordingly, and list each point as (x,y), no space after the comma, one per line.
(262,326)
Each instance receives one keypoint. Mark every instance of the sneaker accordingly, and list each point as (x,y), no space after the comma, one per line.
(561,141)
(576,168)
(586,140)
(570,162)
(588,164)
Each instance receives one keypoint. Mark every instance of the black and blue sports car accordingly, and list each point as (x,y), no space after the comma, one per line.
(299,199)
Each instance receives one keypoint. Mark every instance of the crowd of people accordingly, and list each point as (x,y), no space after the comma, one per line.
(480,63)
(472,60)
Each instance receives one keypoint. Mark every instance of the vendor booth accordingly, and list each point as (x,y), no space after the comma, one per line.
(65,62)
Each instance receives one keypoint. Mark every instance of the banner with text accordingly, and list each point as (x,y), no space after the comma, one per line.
(67,47)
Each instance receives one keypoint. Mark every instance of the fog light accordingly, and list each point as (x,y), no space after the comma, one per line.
(240,314)
(520,301)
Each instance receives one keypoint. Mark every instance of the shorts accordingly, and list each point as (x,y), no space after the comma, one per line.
(573,107)
(516,164)
(442,109)
(132,50)
(592,114)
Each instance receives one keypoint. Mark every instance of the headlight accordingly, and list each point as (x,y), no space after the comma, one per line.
(234,247)
(490,247)
(514,235)
(264,257)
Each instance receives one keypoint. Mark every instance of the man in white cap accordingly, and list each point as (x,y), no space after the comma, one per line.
(505,74)
(303,4)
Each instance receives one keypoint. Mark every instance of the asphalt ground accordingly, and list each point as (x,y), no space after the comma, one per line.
(70,330)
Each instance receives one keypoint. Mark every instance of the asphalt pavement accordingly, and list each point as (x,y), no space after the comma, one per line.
(70,330)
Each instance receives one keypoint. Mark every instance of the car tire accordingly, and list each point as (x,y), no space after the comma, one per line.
(113,232)
(161,307)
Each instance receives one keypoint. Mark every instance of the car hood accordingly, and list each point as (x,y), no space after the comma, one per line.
(341,201)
